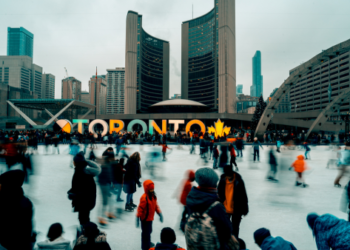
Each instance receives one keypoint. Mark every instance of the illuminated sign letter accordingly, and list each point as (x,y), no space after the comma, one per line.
(219,129)
(103,123)
(176,124)
(113,128)
(80,124)
(153,124)
(142,123)
(200,123)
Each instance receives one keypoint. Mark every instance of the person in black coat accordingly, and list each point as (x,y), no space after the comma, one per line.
(83,191)
(202,197)
(131,178)
(236,205)
(239,146)
(16,213)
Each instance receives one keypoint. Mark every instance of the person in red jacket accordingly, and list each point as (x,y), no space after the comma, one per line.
(148,206)
(233,156)
(190,174)
(164,148)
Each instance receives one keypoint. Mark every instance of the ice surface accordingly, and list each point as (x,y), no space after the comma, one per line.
(280,207)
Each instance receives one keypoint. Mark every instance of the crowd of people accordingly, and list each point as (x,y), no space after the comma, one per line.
(212,211)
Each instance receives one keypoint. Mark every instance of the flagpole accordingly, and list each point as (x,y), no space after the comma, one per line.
(95,95)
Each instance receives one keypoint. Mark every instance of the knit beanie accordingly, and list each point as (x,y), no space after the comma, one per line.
(79,158)
(311,218)
(167,236)
(206,177)
(55,231)
(260,235)
(12,179)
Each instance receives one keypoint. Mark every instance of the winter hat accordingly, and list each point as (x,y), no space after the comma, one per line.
(167,236)
(206,177)
(311,218)
(12,179)
(228,171)
(79,158)
(260,235)
(55,231)
(151,186)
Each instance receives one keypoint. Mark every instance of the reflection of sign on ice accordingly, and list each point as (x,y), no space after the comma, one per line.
(219,129)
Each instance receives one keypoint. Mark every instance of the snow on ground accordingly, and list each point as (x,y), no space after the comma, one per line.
(280,207)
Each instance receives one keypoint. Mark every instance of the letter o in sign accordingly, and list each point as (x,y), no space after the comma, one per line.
(103,123)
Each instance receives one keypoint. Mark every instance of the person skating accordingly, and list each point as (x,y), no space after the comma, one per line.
(16,213)
(344,162)
(273,166)
(83,191)
(307,151)
(233,156)
(55,239)
(299,167)
(239,146)
(118,178)
(256,146)
(190,177)
(148,206)
(167,239)
(92,239)
(233,195)
(329,231)
(164,148)
(265,241)
(215,156)
(131,178)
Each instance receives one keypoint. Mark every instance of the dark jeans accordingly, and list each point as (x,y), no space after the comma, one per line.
(236,221)
(185,213)
(146,227)
(239,151)
(233,161)
(256,153)
(84,216)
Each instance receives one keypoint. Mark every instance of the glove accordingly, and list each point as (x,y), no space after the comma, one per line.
(290,169)
(137,222)
(161,217)
(139,184)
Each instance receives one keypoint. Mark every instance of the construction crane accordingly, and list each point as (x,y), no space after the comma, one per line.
(69,83)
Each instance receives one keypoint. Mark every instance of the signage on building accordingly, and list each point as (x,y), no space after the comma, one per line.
(20,126)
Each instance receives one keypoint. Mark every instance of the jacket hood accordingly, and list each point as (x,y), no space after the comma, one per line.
(199,201)
(191,175)
(59,243)
(278,243)
(326,221)
(300,157)
(147,186)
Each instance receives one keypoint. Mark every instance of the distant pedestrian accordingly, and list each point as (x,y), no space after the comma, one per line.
(164,148)
(215,156)
(307,151)
(256,147)
(273,166)
(233,156)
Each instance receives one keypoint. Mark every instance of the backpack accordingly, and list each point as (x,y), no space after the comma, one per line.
(200,231)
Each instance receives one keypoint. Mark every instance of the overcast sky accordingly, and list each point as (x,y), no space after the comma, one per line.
(83,34)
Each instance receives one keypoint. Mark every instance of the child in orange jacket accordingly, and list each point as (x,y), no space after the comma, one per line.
(299,167)
(148,206)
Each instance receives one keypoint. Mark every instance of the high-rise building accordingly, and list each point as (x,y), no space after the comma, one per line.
(176,96)
(239,89)
(115,91)
(208,62)
(257,88)
(19,42)
(246,104)
(98,98)
(85,96)
(20,72)
(146,67)
(71,88)
(48,87)
(284,106)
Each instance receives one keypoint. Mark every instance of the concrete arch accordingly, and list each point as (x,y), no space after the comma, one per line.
(329,110)
(293,80)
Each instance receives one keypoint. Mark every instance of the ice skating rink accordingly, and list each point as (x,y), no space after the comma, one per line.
(280,207)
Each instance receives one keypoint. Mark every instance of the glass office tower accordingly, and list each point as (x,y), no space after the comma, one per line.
(256,89)
(19,42)
(209,58)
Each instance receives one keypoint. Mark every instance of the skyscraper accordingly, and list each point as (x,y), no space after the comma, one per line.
(208,62)
(71,88)
(256,89)
(101,93)
(146,67)
(48,86)
(115,91)
(19,42)
(239,89)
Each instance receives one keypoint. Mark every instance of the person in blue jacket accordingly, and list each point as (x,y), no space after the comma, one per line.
(265,241)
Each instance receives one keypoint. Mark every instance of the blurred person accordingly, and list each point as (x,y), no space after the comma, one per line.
(92,239)
(203,201)
(344,162)
(271,175)
(148,206)
(223,156)
(73,150)
(118,178)
(279,143)
(11,153)
(164,148)
(55,239)
(215,156)
(131,178)
(307,150)
(299,166)
(233,156)
(119,143)
(16,213)
(83,191)
(256,147)
(242,245)
(187,186)
(193,146)
(55,143)
(233,195)
(167,239)
(47,142)
(239,146)
(329,231)
(105,180)
(265,241)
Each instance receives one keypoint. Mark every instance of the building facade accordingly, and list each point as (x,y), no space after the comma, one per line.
(176,96)
(20,72)
(245,103)
(19,42)
(85,96)
(208,60)
(115,91)
(257,87)
(48,86)
(284,106)
(239,89)
(71,88)
(98,98)
(146,67)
